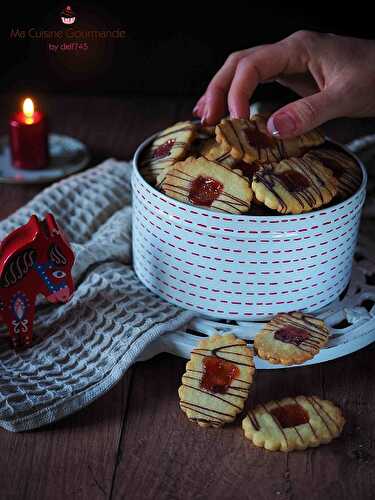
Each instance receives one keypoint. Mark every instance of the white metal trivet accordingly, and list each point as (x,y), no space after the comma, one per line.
(351,317)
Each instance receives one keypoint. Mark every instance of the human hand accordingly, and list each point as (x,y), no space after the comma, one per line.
(335,76)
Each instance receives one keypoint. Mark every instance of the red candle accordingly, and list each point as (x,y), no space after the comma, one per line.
(28,135)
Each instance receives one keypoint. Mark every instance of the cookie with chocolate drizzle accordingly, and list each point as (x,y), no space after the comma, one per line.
(291,338)
(247,139)
(293,423)
(344,168)
(214,151)
(170,146)
(295,185)
(217,380)
(208,184)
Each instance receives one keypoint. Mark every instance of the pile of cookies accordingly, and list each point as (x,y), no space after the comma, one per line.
(219,375)
(237,167)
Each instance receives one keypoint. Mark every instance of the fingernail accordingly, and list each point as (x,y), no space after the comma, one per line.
(195,109)
(282,124)
(232,113)
(204,118)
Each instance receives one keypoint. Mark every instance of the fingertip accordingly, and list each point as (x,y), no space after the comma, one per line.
(214,109)
(198,109)
(239,111)
(282,124)
(238,105)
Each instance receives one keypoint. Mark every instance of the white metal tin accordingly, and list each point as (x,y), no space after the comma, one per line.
(242,267)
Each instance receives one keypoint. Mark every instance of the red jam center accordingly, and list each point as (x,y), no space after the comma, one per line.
(218,374)
(204,191)
(258,139)
(293,181)
(291,335)
(290,415)
(164,149)
(247,169)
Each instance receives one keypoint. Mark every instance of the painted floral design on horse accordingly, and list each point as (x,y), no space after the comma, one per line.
(34,259)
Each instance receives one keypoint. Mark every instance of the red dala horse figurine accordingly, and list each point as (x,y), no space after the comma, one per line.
(34,259)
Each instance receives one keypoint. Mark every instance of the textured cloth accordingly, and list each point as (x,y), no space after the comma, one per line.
(82,348)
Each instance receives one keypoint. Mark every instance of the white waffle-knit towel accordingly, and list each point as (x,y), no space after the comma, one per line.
(82,348)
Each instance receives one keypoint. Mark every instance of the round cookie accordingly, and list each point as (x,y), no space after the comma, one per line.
(217,380)
(344,168)
(208,184)
(293,423)
(295,185)
(291,338)
(249,140)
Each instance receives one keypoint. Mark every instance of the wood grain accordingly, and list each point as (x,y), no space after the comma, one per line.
(134,442)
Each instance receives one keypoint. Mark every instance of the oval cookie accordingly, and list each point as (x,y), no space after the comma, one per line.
(291,338)
(293,423)
(216,383)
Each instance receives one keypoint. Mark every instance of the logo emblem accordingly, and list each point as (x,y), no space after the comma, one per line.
(67,15)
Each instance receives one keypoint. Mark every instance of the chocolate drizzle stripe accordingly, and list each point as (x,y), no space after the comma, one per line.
(214,424)
(326,413)
(232,201)
(308,423)
(213,395)
(200,412)
(350,177)
(301,323)
(225,359)
(276,422)
(309,196)
(220,349)
(236,379)
(254,420)
(205,408)
(311,401)
(236,388)
(294,427)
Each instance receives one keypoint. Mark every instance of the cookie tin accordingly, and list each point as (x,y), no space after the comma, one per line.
(242,267)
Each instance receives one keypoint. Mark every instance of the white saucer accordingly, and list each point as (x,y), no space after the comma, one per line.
(67,156)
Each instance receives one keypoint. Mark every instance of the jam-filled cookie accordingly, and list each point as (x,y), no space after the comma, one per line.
(293,423)
(248,140)
(291,338)
(208,184)
(295,185)
(170,146)
(344,168)
(217,380)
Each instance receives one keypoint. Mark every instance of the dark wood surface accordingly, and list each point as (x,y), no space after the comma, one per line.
(135,442)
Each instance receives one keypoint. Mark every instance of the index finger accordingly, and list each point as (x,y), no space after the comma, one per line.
(216,93)
(260,65)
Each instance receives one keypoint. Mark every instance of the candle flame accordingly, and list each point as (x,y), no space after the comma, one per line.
(28,107)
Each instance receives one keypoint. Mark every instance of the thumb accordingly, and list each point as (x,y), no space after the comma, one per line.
(305,114)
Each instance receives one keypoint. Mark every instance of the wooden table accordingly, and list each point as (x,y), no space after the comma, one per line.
(135,442)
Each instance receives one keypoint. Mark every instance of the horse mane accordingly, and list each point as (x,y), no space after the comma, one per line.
(56,255)
(17,267)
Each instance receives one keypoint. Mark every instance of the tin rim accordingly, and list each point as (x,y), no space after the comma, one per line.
(239,217)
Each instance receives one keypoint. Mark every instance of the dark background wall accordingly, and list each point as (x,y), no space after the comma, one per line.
(169,52)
